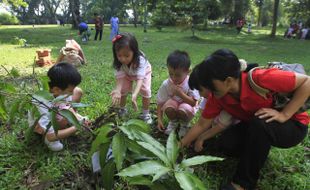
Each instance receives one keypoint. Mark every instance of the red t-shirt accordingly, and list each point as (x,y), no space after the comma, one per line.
(273,79)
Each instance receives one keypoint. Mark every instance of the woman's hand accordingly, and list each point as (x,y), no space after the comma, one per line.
(116,97)
(271,115)
(199,145)
(160,126)
(134,102)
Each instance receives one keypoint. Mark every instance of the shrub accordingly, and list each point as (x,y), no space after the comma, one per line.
(7,19)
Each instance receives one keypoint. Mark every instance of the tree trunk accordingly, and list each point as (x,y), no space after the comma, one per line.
(75,12)
(259,19)
(275,18)
(135,16)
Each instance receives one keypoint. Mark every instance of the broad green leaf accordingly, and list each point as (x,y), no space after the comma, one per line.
(128,132)
(172,148)
(160,154)
(138,125)
(14,110)
(148,139)
(119,150)
(79,105)
(103,150)
(60,98)
(133,146)
(149,167)
(160,173)
(199,160)
(55,124)
(70,117)
(101,138)
(189,181)
(44,83)
(42,97)
(139,180)
(108,175)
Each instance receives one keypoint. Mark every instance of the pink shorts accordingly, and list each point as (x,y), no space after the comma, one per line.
(145,90)
(186,108)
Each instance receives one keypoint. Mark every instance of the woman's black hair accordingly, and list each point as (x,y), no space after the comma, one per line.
(219,65)
(62,75)
(179,60)
(126,40)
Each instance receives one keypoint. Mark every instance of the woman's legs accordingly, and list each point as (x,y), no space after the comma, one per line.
(255,140)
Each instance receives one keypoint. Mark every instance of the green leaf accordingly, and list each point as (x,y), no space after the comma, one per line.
(108,175)
(6,87)
(189,181)
(2,105)
(42,96)
(138,125)
(148,139)
(119,150)
(60,98)
(160,154)
(13,110)
(79,105)
(101,138)
(160,173)
(70,117)
(149,167)
(136,148)
(199,160)
(44,83)
(139,180)
(103,150)
(172,148)
(55,124)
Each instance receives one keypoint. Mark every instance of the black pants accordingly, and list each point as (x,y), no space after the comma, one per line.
(100,34)
(252,142)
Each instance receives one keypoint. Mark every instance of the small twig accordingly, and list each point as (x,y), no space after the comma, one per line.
(9,73)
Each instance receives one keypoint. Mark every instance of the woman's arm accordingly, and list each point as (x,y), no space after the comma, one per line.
(301,94)
(201,126)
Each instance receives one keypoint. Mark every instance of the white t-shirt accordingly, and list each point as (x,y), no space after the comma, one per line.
(165,91)
(139,72)
(46,115)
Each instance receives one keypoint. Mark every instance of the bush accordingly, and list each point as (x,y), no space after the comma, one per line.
(7,19)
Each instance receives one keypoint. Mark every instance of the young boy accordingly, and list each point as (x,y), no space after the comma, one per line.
(64,79)
(174,97)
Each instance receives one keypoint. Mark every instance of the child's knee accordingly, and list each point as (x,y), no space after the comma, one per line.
(170,112)
(77,94)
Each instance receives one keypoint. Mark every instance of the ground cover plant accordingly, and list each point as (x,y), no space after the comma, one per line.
(33,166)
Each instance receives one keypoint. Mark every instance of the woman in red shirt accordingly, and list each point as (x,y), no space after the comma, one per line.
(219,79)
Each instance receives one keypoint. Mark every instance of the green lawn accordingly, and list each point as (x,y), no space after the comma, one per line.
(24,166)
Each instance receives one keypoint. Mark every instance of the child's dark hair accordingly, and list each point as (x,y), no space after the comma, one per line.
(62,75)
(179,60)
(126,40)
(219,65)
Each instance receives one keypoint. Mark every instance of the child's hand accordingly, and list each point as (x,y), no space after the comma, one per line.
(116,97)
(199,145)
(177,90)
(134,102)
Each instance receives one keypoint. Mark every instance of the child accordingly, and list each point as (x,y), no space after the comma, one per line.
(131,65)
(174,97)
(98,25)
(72,53)
(63,81)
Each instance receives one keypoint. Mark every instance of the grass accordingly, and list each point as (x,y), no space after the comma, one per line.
(23,166)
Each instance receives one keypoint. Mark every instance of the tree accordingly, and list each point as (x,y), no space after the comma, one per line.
(74,6)
(259,4)
(275,18)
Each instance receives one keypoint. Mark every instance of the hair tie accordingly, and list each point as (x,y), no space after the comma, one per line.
(243,64)
(117,37)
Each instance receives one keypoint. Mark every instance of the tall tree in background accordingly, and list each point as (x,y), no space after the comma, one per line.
(259,4)
(275,18)
(74,7)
